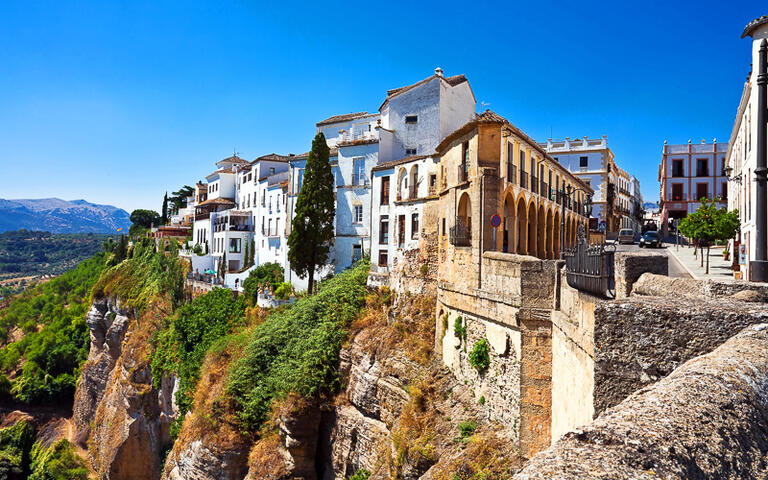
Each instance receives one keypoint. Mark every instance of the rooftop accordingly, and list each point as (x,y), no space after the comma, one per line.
(754,24)
(272,157)
(452,81)
(343,118)
(394,163)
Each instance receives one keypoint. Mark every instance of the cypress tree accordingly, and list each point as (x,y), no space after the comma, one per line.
(312,227)
(247,255)
(164,217)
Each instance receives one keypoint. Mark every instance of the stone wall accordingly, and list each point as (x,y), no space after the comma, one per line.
(629,266)
(707,420)
(643,339)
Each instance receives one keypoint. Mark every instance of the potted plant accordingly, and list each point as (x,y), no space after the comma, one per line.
(726,254)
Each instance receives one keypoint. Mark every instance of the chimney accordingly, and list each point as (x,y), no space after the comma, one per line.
(439,72)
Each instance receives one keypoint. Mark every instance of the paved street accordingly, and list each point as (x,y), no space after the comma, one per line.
(675,268)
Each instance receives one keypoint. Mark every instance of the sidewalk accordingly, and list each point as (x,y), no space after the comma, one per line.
(718,268)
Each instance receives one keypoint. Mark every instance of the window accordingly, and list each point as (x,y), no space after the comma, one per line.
(272,170)
(301,178)
(383,258)
(358,174)
(583,162)
(701,191)
(677,168)
(677,191)
(443,225)
(357,253)
(702,168)
(724,190)
(522,161)
(432,180)
(269,227)
(556,159)
(384,200)
(411,119)
(358,218)
(410,151)
(415,226)
(234,245)
(384,230)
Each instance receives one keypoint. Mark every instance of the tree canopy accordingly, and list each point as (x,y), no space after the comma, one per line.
(709,224)
(312,227)
(142,220)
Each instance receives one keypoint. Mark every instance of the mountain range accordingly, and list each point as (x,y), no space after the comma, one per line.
(61,216)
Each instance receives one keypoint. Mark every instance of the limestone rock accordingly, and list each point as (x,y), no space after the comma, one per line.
(198,462)
(650,284)
(750,296)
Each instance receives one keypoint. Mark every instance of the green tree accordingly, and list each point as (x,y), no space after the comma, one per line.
(312,232)
(143,220)
(271,274)
(164,217)
(179,197)
(252,260)
(709,224)
(247,255)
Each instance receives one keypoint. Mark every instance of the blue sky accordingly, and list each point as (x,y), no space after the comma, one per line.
(117,102)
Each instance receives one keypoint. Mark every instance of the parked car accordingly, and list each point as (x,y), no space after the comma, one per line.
(650,239)
(626,235)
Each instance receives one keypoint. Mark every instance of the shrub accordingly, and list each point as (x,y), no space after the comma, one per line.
(271,274)
(58,462)
(15,444)
(284,291)
(296,349)
(481,400)
(459,329)
(361,474)
(424,269)
(479,357)
(181,347)
(467,428)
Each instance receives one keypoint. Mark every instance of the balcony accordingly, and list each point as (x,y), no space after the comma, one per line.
(677,173)
(359,180)
(543,189)
(511,172)
(534,184)
(463,174)
(413,192)
(523,179)
(432,190)
(356,138)
(203,216)
(460,234)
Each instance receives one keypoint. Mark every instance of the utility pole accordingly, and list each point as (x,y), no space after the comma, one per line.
(758,267)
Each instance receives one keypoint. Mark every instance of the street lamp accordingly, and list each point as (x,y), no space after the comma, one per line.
(566,192)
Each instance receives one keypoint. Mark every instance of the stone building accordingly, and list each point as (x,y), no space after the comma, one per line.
(741,157)
(688,173)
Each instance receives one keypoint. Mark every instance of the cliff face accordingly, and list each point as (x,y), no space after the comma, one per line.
(118,415)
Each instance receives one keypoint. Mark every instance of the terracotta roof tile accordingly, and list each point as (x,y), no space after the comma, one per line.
(751,26)
(342,118)
(394,163)
(217,201)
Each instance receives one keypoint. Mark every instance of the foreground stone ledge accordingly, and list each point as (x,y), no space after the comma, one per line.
(707,420)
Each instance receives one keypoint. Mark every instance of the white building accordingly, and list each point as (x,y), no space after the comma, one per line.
(592,161)
(741,156)
(414,119)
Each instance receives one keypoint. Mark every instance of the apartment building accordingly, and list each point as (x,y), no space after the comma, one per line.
(593,162)
(687,173)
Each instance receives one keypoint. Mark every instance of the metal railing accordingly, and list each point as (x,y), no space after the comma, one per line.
(534,184)
(589,268)
(523,179)
(413,192)
(543,189)
(463,175)
(460,234)
(511,172)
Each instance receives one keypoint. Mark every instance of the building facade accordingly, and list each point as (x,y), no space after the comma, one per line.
(688,173)
(741,157)
(593,162)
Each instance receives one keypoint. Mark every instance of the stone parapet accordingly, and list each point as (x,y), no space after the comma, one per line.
(705,420)
(628,267)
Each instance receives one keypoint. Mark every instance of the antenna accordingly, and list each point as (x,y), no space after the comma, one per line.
(484,104)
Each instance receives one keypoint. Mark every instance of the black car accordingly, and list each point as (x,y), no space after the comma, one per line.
(650,239)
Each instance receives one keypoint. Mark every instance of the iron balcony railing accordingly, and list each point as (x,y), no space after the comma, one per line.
(463,173)
(461,234)
(543,189)
(413,192)
(534,184)
(590,268)
(523,179)
(511,172)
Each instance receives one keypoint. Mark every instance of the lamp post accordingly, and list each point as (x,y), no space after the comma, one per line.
(564,193)
(758,268)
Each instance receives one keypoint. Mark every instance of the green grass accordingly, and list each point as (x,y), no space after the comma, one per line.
(296,350)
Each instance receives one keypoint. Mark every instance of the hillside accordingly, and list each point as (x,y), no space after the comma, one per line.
(61,216)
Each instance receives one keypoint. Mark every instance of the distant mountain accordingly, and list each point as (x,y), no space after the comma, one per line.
(650,206)
(61,216)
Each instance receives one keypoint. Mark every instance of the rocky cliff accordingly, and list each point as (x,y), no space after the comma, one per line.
(121,419)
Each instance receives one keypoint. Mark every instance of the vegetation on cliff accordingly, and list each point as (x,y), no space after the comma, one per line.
(23,457)
(50,336)
(296,350)
(181,346)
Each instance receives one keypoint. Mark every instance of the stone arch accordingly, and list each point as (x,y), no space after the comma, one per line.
(464,212)
(541,245)
(521,242)
(509,227)
(532,229)
(550,233)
